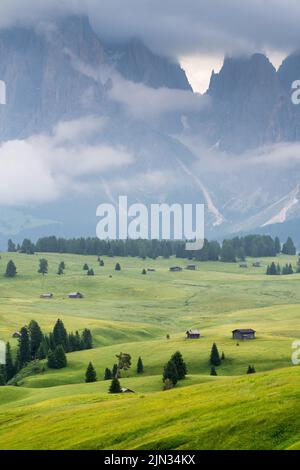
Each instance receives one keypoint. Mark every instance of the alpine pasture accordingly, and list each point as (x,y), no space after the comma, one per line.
(133,313)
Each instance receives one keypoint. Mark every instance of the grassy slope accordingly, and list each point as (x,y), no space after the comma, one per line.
(260,411)
(130,312)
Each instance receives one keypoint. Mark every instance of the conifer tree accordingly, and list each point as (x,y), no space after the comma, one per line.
(24,354)
(118,267)
(180,365)
(115,386)
(60,357)
(288,248)
(170,372)
(11,270)
(107,374)
(140,366)
(214,356)
(43,267)
(85,267)
(213,371)
(60,335)
(36,337)
(101,263)
(90,375)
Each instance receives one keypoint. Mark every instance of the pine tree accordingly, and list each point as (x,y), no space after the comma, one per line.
(223,356)
(180,365)
(43,267)
(61,268)
(118,267)
(272,270)
(140,366)
(213,371)
(144,272)
(85,267)
(90,272)
(170,372)
(24,355)
(288,248)
(101,263)
(214,356)
(11,270)
(36,337)
(87,340)
(9,365)
(107,374)
(90,375)
(60,335)
(115,386)
(60,357)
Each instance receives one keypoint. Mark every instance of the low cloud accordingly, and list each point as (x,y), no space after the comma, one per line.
(43,168)
(174,27)
(137,99)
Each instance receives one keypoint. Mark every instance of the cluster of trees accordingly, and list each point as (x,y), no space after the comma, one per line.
(251,370)
(124,363)
(229,251)
(276,270)
(174,370)
(33,344)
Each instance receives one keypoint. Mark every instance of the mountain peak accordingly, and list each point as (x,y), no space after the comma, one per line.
(136,62)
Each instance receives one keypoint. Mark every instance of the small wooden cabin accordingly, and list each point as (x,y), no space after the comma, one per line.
(126,390)
(75,295)
(46,296)
(174,269)
(193,334)
(243,334)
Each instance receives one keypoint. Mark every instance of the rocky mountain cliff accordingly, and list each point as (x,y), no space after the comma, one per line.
(179,147)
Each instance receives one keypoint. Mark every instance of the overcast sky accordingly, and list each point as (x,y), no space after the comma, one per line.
(196,32)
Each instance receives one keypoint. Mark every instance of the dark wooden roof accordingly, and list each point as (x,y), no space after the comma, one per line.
(244,331)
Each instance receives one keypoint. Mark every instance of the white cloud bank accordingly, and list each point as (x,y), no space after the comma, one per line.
(176,27)
(43,168)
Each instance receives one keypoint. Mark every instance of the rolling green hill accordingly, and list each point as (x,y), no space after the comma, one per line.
(133,313)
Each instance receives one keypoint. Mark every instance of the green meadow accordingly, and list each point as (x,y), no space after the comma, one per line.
(133,313)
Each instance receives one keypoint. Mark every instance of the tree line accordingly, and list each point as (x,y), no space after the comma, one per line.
(229,251)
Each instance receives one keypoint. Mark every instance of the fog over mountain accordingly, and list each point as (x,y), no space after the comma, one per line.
(89,117)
